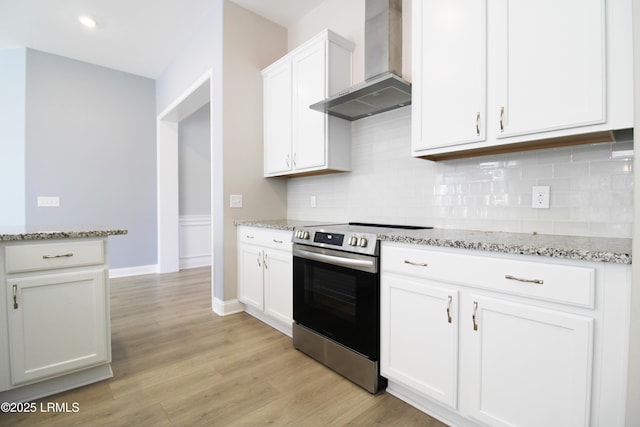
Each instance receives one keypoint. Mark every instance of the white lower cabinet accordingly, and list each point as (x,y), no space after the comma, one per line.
(526,366)
(57,323)
(265,275)
(420,337)
(55,316)
(480,339)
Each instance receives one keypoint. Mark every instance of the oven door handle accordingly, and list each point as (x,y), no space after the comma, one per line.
(337,260)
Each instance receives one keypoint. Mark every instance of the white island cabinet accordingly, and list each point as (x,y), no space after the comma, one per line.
(503,75)
(55,329)
(489,339)
(297,139)
(265,275)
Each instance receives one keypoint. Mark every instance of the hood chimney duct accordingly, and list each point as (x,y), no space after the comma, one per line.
(383,38)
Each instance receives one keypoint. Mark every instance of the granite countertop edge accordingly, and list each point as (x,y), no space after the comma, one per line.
(8,234)
(544,247)
(277,224)
(579,248)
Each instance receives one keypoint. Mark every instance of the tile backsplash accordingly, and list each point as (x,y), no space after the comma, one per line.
(591,186)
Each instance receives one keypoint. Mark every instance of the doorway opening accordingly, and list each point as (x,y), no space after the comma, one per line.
(193,99)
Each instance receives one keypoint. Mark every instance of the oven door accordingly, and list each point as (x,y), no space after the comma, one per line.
(337,295)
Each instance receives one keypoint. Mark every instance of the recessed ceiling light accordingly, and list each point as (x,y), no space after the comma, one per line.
(87,21)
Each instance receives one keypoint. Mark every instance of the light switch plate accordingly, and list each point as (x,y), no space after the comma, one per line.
(235,200)
(48,201)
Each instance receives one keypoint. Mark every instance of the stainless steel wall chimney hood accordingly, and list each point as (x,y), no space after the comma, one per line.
(383,88)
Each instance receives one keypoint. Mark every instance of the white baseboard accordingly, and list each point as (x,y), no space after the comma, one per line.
(133,271)
(225,308)
(195,262)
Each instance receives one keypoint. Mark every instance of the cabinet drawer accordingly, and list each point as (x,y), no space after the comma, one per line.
(567,284)
(46,256)
(276,239)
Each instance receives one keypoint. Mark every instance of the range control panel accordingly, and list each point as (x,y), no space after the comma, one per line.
(352,241)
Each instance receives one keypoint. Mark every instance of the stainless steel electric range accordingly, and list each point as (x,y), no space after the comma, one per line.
(336,298)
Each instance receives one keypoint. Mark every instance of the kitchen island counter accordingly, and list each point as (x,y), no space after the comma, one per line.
(13,233)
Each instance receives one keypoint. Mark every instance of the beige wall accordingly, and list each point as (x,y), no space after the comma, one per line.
(347,19)
(250,44)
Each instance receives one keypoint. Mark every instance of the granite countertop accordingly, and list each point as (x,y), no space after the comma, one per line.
(614,250)
(280,224)
(12,233)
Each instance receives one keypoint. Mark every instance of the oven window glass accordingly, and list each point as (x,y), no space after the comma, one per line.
(339,303)
(332,291)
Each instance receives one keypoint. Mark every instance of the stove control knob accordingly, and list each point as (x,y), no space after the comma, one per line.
(353,241)
(362,242)
(297,234)
(305,235)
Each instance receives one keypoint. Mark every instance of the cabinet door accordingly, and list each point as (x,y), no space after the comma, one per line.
(250,276)
(309,126)
(527,366)
(278,285)
(419,336)
(449,80)
(57,323)
(277,120)
(550,65)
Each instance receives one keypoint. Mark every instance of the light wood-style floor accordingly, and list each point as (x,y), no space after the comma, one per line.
(176,363)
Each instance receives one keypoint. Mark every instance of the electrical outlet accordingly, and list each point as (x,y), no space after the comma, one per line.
(540,197)
(312,201)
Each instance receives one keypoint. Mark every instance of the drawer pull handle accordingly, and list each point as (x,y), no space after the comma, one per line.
(536,281)
(15,297)
(449,309)
(69,255)
(419,264)
(277,241)
(249,236)
(473,316)
(258,259)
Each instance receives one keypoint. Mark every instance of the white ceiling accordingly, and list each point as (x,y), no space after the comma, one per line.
(136,36)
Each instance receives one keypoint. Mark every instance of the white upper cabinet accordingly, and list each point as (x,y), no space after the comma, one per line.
(298,140)
(449,97)
(550,65)
(308,126)
(506,73)
(277,126)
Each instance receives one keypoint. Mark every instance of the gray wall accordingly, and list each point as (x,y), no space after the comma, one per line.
(194,151)
(91,140)
(12,105)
